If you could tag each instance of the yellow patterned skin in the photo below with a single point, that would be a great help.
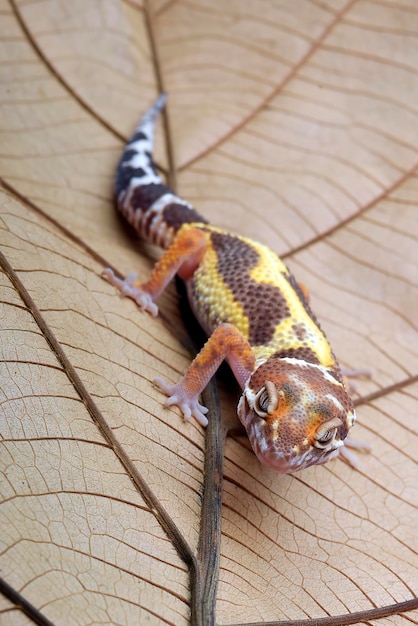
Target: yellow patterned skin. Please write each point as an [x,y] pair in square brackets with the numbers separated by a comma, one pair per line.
[245,283]
[294,405]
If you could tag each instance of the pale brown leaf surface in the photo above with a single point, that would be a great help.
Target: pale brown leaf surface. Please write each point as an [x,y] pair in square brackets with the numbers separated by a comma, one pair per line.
[294,123]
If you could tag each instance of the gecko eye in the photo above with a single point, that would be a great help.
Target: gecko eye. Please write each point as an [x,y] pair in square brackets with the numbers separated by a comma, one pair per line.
[261,402]
[325,433]
[325,440]
[266,400]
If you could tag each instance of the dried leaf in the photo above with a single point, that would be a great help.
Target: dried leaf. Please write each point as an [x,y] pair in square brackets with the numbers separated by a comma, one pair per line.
[294,123]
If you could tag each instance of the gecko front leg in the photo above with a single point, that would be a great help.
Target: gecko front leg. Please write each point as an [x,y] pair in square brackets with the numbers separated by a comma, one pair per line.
[182,258]
[226,342]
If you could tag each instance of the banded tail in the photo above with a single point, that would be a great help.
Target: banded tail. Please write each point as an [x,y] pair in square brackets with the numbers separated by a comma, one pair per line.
[142,197]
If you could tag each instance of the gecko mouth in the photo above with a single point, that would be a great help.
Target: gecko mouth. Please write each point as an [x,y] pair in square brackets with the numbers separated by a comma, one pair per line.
[282,454]
[289,463]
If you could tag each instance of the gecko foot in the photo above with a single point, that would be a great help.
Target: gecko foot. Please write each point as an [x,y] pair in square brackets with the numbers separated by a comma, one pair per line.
[348,456]
[188,405]
[128,289]
[349,374]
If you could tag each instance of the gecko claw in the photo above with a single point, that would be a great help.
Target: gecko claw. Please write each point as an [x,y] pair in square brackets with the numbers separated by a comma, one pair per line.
[188,405]
[128,289]
[350,457]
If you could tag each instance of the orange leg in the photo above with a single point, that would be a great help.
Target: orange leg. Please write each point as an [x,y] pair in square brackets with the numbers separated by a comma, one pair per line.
[226,342]
[182,258]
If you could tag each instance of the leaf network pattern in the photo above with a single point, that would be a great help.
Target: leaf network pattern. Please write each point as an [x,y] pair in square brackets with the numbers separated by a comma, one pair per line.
[294,123]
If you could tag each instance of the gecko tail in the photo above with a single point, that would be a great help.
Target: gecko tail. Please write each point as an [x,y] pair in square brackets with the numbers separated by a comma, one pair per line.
[142,197]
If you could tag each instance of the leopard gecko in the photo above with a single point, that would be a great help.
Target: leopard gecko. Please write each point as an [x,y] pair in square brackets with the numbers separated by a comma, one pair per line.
[294,404]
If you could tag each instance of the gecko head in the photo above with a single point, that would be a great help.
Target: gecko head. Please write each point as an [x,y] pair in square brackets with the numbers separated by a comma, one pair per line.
[296,414]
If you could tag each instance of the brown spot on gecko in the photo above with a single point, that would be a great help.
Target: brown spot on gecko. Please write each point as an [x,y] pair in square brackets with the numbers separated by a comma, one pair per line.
[125,172]
[144,196]
[300,331]
[264,305]
[176,214]
[295,285]
[304,354]
[138,136]
[336,373]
